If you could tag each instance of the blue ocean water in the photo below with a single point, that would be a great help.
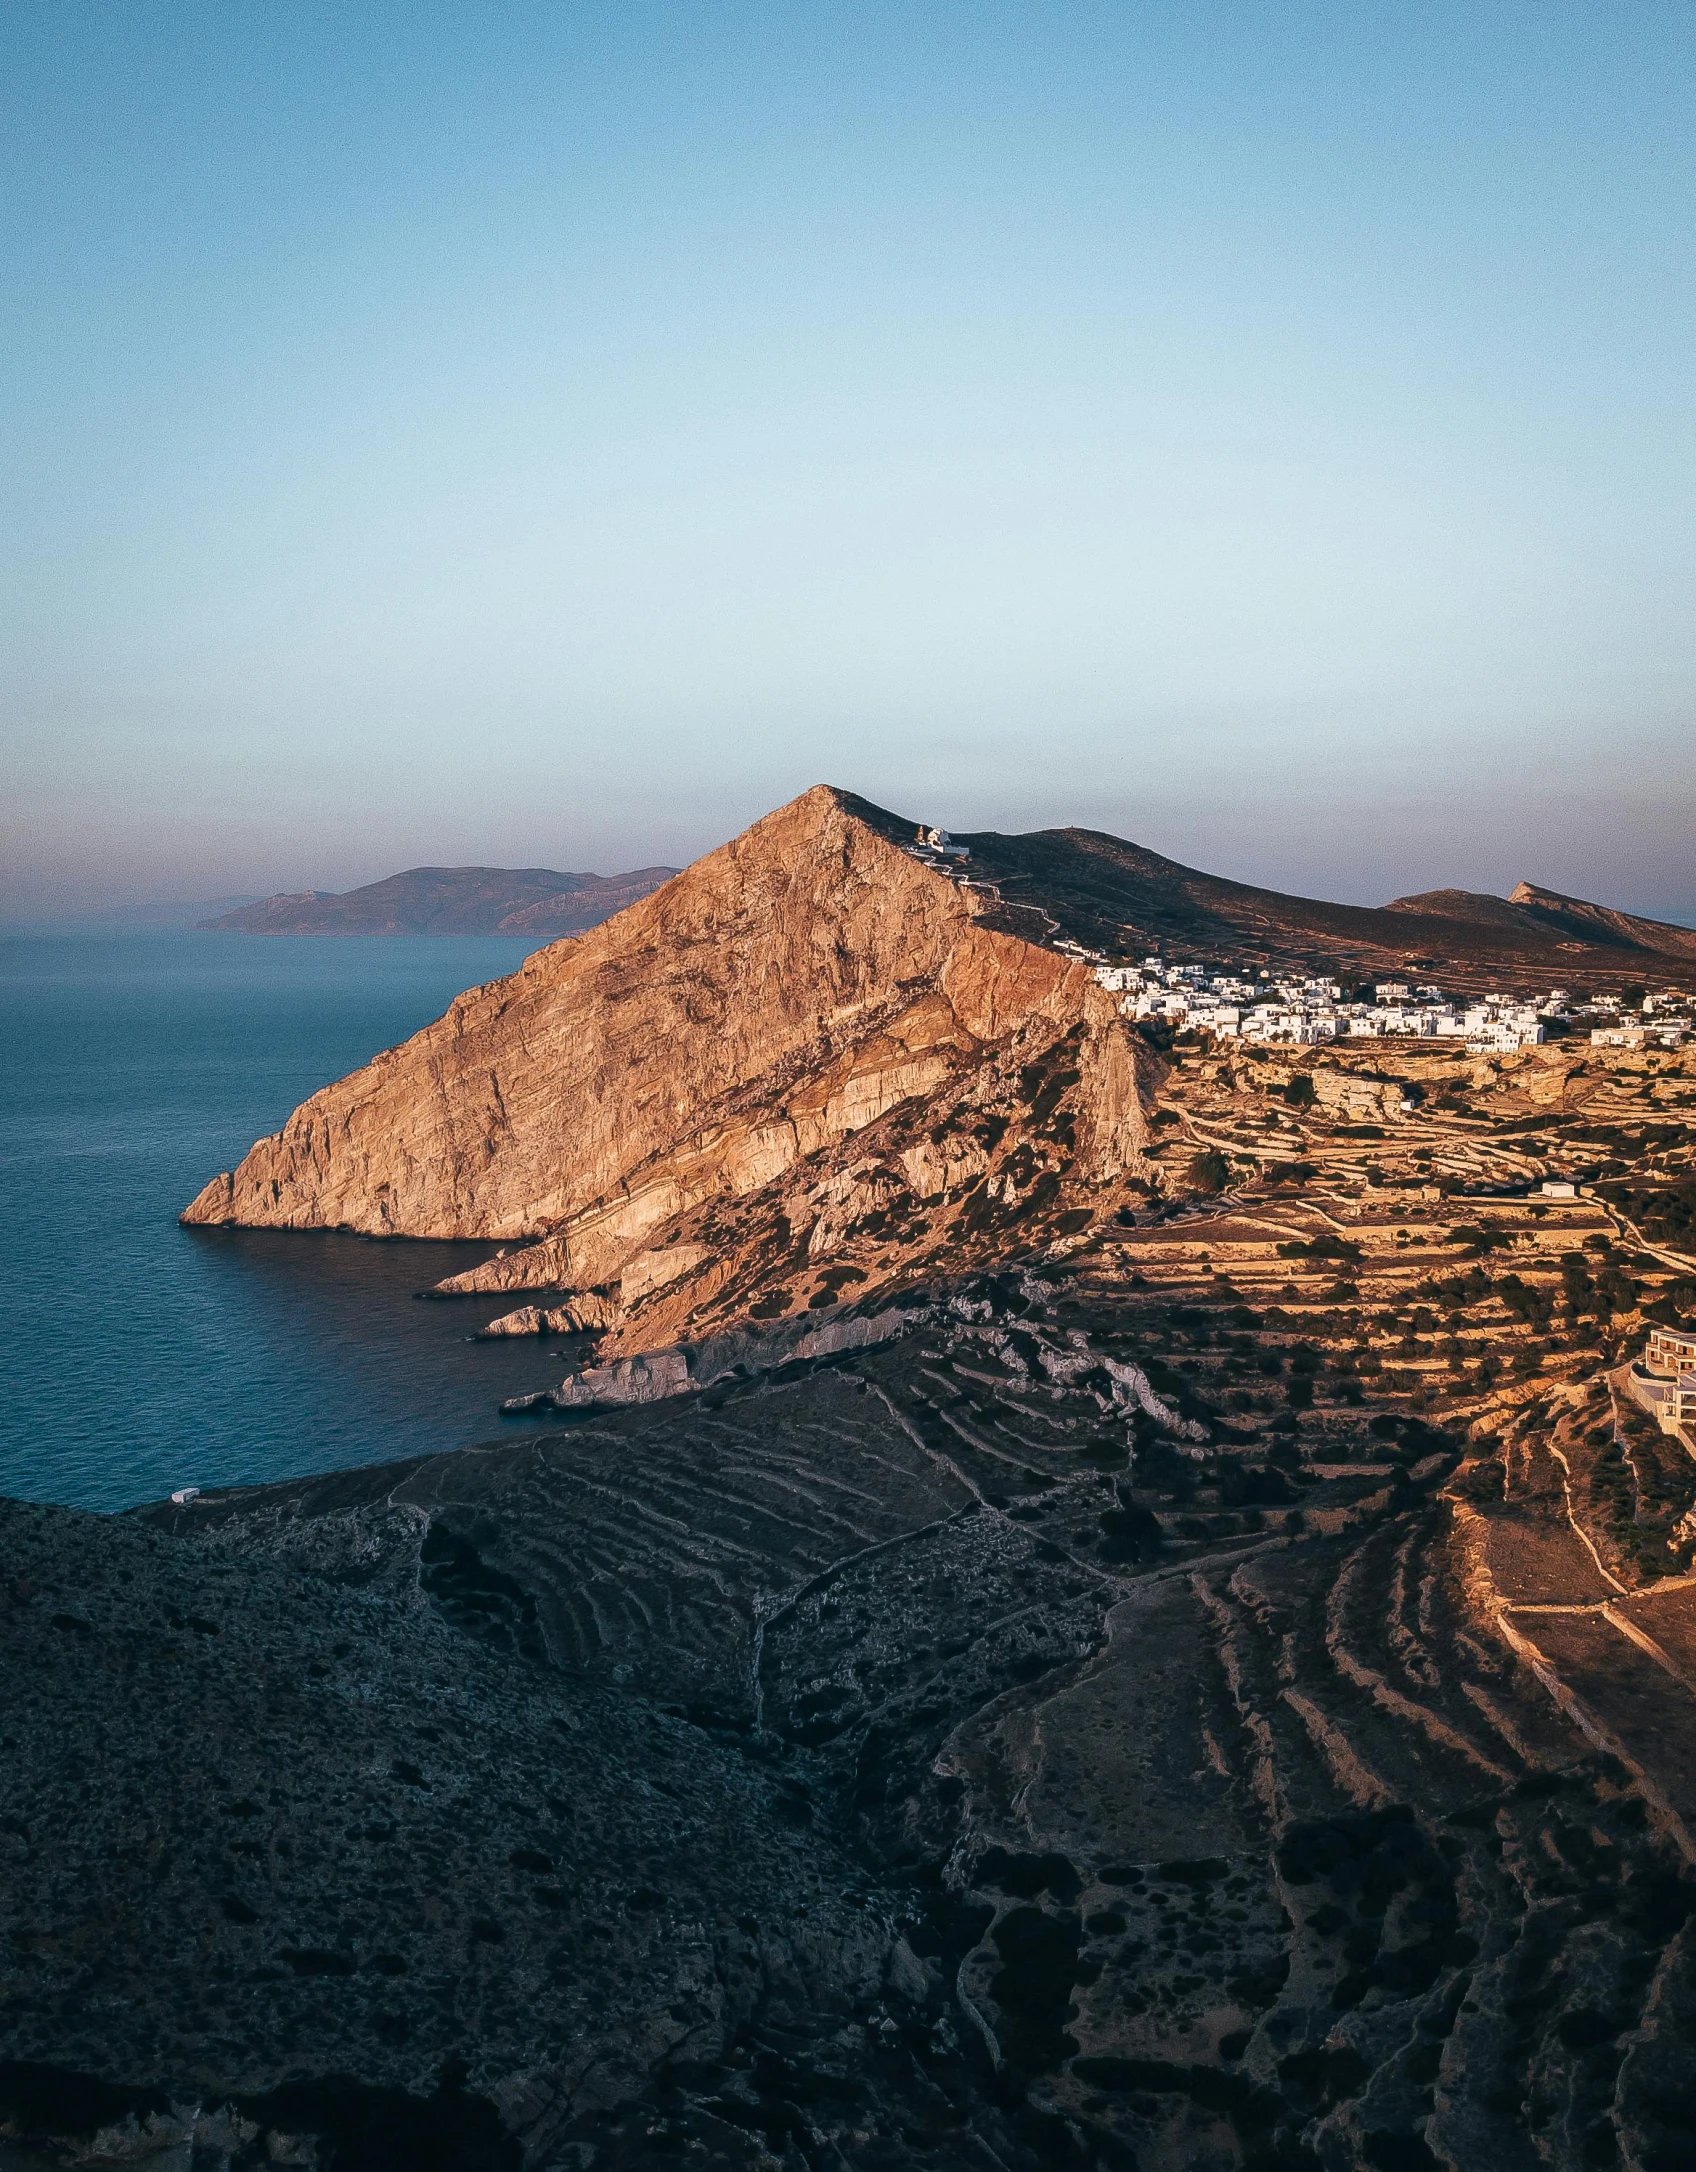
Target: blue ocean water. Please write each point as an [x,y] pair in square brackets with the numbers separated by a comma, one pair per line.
[139,1356]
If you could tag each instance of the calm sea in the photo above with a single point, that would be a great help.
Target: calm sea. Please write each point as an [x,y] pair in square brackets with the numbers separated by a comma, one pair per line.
[139,1356]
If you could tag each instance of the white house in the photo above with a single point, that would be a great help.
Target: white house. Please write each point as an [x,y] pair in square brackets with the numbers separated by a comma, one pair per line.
[1670,1351]
[1664,1378]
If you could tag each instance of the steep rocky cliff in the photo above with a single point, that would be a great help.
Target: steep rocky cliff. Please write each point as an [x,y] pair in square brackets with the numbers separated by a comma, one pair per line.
[1145,1705]
[796,1068]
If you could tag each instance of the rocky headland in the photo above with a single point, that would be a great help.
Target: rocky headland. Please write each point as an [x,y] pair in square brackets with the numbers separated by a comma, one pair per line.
[1099,1601]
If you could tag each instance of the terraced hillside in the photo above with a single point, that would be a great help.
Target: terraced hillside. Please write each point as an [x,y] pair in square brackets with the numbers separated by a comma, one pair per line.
[1100,1600]
[963,1751]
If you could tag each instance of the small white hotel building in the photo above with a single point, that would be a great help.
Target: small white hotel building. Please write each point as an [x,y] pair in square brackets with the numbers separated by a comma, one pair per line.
[1664,1379]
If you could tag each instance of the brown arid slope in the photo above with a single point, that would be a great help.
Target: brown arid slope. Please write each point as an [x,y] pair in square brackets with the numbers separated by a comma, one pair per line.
[1532,918]
[535,901]
[1124,899]
[1600,923]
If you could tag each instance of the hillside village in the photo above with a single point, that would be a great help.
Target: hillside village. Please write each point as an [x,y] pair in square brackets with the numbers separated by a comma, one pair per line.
[1247,1001]
[1234,1004]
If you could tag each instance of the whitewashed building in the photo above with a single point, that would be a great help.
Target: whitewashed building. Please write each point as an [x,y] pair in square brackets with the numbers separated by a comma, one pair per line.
[1664,1379]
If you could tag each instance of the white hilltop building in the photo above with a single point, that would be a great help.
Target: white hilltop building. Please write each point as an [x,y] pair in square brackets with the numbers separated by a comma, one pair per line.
[933,842]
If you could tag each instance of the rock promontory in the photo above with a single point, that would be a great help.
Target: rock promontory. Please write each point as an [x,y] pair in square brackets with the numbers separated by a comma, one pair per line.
[685,1101]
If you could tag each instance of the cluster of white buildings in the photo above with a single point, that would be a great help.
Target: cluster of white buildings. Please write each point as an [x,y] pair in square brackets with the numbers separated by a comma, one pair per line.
[1302,1013]
[1667,1020]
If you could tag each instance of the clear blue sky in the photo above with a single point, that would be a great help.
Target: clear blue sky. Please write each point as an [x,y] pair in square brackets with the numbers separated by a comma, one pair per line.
[554,434]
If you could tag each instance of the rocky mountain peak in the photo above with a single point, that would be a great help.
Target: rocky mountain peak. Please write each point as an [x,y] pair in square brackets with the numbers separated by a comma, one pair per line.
[809,1064]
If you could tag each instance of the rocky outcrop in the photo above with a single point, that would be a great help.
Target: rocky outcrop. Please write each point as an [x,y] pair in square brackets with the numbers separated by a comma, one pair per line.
[587,1312]
[1346,1094]
[793,1048]
[1023,1143]
[659,1374]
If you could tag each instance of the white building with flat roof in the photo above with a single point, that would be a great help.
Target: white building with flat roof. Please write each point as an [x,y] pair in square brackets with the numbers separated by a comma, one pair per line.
[1670,1350]
[1664,1378]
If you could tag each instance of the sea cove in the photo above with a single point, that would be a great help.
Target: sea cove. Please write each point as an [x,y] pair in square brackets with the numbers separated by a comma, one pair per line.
[142,1356]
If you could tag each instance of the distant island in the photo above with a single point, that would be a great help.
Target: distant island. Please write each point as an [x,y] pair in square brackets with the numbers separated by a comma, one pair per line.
[533,901]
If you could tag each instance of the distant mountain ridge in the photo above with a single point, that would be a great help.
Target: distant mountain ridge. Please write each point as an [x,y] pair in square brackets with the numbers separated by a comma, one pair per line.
[1111,894]
[1529,910]
[535,901]
[1083,883]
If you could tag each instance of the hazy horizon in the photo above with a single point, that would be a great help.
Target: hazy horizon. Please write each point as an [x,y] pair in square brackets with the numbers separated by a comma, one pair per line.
[163,912]
[555,438]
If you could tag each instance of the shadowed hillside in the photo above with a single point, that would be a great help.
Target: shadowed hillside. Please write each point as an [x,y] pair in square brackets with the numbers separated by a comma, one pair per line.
[1121,898]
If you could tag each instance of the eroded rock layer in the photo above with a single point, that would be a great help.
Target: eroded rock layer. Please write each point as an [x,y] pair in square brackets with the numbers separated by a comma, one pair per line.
[781,993]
